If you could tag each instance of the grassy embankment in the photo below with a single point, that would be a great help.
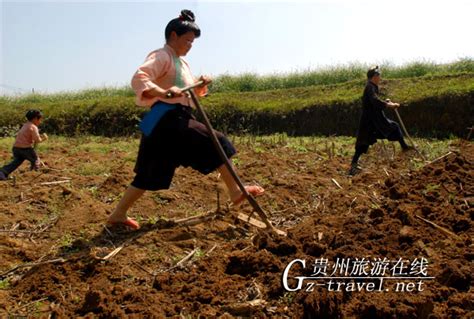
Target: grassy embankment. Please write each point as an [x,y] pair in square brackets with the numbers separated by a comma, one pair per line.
[438,102]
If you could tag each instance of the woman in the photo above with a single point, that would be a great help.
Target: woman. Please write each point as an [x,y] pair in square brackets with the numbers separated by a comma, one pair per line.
[177,139]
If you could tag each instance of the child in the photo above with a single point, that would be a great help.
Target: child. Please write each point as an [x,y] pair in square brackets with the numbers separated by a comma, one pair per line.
[178,139]
[373,122]
[26,139]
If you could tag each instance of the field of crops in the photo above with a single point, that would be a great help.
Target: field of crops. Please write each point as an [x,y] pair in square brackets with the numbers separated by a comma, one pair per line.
[55,253]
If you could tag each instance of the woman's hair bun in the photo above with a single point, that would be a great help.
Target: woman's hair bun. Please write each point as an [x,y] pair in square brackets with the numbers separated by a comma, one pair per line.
[187,15]
[182,24]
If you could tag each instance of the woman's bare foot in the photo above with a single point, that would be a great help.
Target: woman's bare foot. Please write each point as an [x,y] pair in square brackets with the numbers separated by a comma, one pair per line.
[129,222]
[253,190]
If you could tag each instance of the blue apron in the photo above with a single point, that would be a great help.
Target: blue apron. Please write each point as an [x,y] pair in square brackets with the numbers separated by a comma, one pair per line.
[160,108]
[152,118]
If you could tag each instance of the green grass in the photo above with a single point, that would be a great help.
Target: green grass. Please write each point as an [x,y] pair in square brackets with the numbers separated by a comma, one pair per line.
[89,143]
[401,90]
[263,106]
[6,143]
[343,146]
[93,144]
[4,284]
[87,94]
[92,168]
[250,82]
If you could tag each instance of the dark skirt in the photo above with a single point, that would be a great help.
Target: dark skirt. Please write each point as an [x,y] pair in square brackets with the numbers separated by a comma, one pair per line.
[177,140]
[373,126]
[370,136]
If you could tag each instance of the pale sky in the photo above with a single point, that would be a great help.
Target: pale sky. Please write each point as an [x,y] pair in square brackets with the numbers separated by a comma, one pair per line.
[65,45]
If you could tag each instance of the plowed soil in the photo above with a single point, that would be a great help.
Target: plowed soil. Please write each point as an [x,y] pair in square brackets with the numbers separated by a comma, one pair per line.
[236,269]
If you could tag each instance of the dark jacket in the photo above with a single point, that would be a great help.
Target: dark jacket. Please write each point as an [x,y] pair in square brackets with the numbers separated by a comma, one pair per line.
[373,123]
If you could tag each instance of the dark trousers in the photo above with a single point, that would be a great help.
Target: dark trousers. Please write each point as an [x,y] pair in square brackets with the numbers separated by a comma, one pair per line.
[396,135]
[19,156]
[177,140]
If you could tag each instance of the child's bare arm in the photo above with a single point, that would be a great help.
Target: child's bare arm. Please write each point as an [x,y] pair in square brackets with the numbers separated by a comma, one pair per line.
[43,137]
[39,138]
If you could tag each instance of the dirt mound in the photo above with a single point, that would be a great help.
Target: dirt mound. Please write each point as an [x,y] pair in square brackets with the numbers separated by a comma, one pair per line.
[224,267]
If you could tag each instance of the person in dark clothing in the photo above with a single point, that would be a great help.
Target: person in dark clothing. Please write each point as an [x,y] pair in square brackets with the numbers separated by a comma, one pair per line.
[373,123]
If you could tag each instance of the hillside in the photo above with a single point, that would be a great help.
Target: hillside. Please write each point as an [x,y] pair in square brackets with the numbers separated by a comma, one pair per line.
[433,105]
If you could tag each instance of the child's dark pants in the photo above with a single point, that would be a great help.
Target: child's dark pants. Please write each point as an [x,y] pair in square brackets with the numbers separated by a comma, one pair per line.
[19,156]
